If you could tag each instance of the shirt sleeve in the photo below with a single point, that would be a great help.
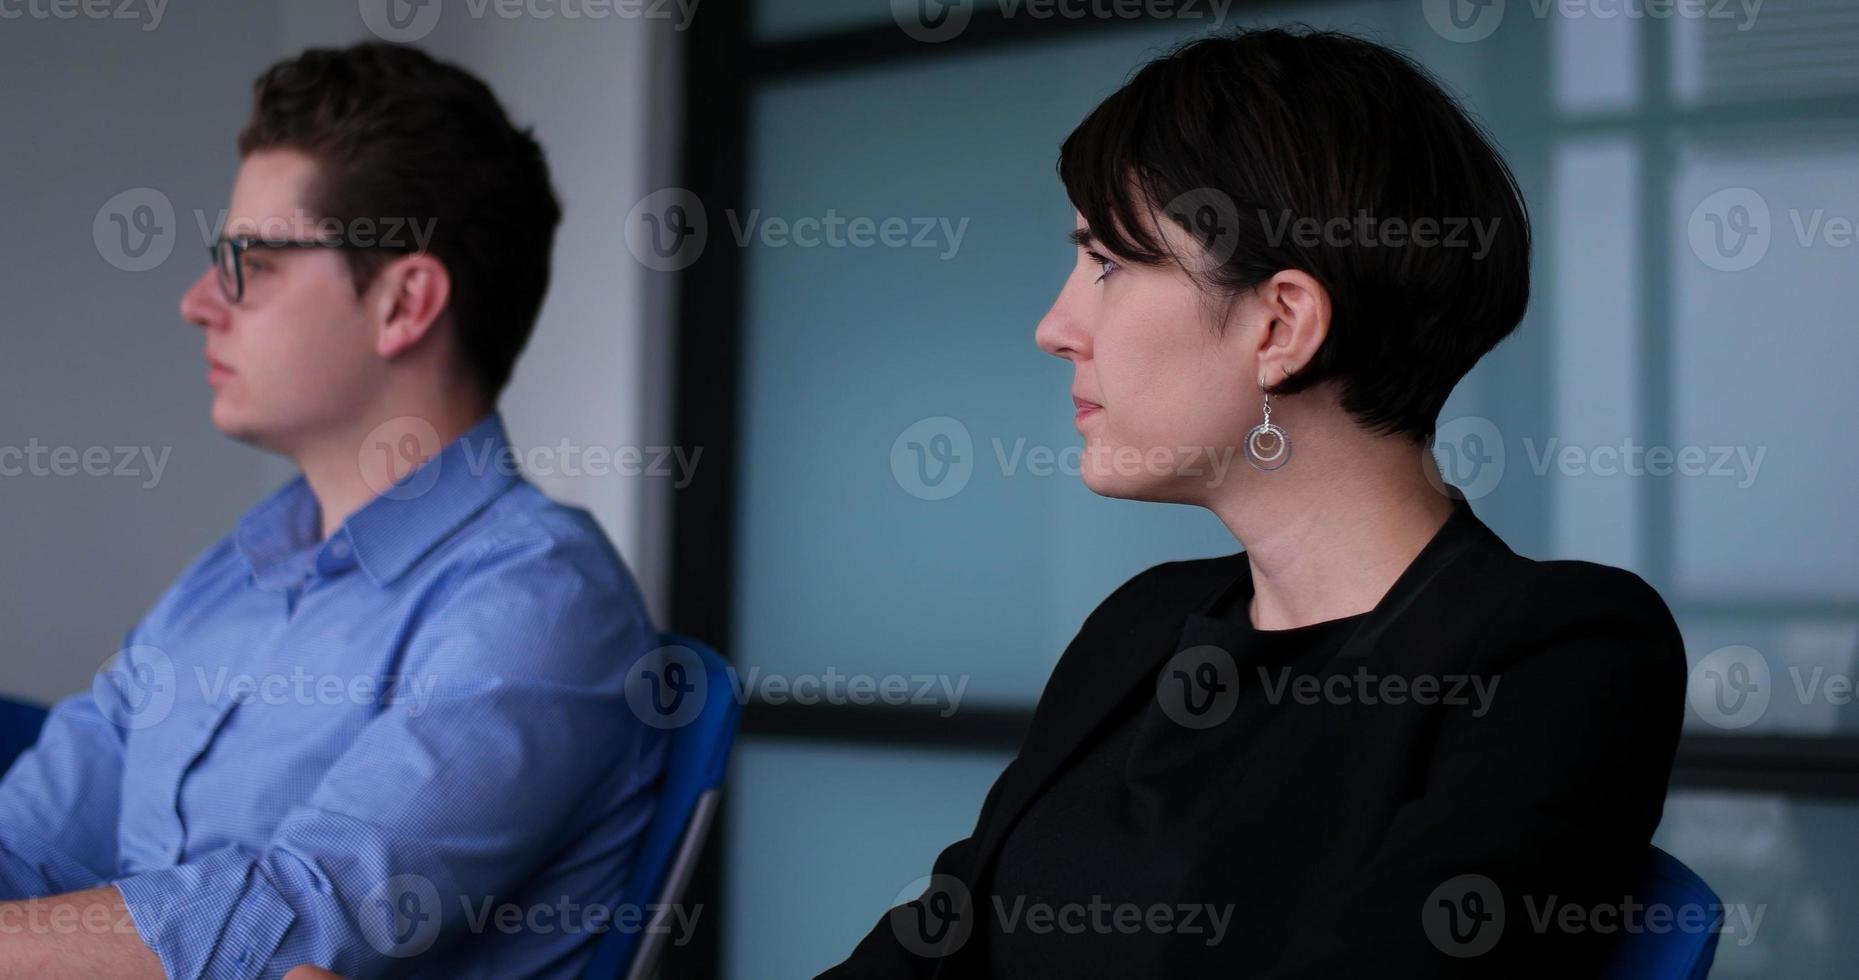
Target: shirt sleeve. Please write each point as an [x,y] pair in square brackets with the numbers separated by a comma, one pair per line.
[60,801]
[441,802]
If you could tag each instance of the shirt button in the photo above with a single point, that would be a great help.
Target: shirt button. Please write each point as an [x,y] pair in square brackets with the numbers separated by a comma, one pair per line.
[339,548]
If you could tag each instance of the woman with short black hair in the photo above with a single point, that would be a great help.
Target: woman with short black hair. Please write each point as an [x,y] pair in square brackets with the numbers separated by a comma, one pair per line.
[1376,742]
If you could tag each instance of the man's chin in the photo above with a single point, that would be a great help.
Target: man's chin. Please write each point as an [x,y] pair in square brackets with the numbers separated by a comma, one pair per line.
[235,424]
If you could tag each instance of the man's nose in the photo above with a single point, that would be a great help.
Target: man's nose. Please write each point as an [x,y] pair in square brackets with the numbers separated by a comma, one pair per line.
[202,304]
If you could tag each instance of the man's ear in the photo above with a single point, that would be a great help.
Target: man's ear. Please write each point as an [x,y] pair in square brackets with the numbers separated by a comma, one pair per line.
[408,295]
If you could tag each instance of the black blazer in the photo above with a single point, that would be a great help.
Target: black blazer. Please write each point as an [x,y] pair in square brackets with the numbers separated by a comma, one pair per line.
[1380,839]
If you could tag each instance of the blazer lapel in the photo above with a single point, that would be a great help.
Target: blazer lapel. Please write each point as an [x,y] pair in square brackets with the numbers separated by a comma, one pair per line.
[1135,653]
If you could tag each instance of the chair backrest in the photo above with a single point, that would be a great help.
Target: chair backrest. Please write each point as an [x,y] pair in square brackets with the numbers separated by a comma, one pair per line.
[19,729]
[667,855]
[1684,949]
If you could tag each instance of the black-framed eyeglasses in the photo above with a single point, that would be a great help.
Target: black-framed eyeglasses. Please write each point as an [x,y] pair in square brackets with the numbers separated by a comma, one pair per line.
[227,255]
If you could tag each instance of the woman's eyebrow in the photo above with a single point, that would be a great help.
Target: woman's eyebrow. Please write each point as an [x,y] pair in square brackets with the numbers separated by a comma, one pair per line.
[1082,237]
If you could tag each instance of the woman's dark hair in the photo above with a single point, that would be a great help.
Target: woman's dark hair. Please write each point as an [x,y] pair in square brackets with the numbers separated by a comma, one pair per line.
[400,136]
[1321,152]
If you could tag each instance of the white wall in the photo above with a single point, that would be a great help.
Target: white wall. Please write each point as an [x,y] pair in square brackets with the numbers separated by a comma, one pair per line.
[94,355]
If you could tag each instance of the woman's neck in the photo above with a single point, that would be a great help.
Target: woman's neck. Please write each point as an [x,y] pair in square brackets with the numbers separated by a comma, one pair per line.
[1327,535]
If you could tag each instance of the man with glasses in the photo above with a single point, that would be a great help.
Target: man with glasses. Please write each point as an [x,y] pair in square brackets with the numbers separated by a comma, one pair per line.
[390,704]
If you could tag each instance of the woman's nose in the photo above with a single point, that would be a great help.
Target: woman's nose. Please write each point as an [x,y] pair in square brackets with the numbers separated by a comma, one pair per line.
[1058,332]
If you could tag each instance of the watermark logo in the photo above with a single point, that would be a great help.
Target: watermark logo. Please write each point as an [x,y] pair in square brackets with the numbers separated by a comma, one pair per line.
[1730,230]
[136,687]
[405,21]
[300,686]
[1198,687]
[567,915]
[1103,917]
[1464,916]
[933,916]
[1466,21]
[399,448]
[1211,217]
[835,230]
[933,458]
[667,687]
[149,12]
[400,21]
[1463,21]
[1469,453]
[667,229]
[401,917]
[402,459]
[932,21]
[135,230]
[37,459]
[1731,686]
[1365,230]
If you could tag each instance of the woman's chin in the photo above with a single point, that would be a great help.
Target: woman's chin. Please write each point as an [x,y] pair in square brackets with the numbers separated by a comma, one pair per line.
[1125,486]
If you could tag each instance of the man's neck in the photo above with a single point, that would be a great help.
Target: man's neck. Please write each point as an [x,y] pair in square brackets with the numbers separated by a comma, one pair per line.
[348,468]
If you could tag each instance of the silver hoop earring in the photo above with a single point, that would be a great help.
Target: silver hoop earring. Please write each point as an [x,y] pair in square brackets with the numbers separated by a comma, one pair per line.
[1267,446]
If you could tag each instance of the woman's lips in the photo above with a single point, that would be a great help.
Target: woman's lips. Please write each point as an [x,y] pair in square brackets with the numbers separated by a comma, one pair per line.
[1082,408]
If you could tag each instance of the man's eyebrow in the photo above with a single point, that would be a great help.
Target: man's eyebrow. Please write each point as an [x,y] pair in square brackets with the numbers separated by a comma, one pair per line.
[1082,237]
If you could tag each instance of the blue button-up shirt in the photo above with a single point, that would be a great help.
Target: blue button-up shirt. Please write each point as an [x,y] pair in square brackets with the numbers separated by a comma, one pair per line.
[362,751]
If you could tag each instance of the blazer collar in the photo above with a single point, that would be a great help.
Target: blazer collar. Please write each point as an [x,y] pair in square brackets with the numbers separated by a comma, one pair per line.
[1209,622]
[1077,716]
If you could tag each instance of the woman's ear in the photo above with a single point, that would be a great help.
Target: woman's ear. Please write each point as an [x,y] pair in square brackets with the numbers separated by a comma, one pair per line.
[1296,313]
[408,296]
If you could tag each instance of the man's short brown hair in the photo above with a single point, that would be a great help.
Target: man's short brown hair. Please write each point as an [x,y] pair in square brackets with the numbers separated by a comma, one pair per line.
[400,136]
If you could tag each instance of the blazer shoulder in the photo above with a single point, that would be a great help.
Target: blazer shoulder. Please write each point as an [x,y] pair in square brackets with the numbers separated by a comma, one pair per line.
[1589,586]
[1556,603]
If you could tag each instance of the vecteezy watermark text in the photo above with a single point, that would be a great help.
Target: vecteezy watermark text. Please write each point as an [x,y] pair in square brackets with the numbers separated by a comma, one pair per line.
[40,460]
[149,12]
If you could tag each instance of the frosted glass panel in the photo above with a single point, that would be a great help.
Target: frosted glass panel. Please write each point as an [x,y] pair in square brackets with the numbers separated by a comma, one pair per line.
[1765,49]
[1779,674]
[1597,62]
[1596,353]
[805,883]
[1764,342]
[1785,867]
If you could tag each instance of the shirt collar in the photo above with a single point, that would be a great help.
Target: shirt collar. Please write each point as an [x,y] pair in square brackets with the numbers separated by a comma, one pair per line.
[389,533]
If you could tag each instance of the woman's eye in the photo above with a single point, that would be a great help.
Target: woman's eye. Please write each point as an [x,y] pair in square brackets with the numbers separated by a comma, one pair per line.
[1105,264]
[255,265]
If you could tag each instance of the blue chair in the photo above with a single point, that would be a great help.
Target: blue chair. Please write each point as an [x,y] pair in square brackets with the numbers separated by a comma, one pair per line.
[19,729]
[686,807]
[1677,953]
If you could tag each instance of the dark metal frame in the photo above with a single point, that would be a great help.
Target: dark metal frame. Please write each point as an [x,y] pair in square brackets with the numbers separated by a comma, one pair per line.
[722,65]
